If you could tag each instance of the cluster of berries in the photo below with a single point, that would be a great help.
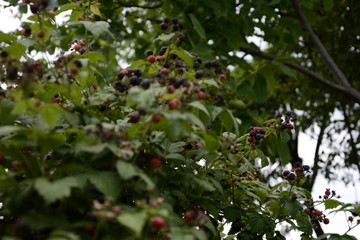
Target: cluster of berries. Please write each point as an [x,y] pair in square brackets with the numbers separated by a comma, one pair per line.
[78,46]
[255,135]
[196,217]
[317,215]
[37,6]
[171,24]
[351,218]
[329,194]
[298,171]
[104,209]
[286,120]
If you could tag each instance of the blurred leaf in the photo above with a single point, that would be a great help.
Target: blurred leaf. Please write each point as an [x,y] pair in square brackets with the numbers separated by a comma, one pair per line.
[133,220]
[197,26]
[107,183]
[126,170]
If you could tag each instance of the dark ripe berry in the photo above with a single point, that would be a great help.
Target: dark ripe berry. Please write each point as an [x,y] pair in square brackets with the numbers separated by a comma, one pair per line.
[175,21]
[250,139]
[188,146]
[293,197]
[286,173]
[180,71]
[157,222]
[298,164]
[78,63]
[291,176]
[289,125]
[199,60]
[181,26]
[164,26]
[262,131]
[354,213]
[142,110]
[120,75]
[175,28]
[162,51]
[166,20]
[34,9]
[44,3]
[26,32]
[149,53]
[120,86]
[145,84]
[156,118]
[220,97]
[196,65]
[207,64]
[181,37]
[307,211]
[137,72]
[278,115]
[155,162]
[199,74]
[40,34]
[134,80]
[350,218]
[135,117]
[283,126]
[102,107]
[251,128]
[252,133]
[215,64]
[327,192]
[151,59]
[306,168]
[4,54]
[288,113]
[258,136]
[12,73]
[82,51]
[326,221]
[173,55]
[166,65]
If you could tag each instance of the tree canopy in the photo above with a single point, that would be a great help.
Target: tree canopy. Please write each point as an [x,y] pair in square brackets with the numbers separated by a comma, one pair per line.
[153,119]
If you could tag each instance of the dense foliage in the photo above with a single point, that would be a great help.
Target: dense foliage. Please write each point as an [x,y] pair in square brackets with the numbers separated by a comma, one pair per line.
[170,147]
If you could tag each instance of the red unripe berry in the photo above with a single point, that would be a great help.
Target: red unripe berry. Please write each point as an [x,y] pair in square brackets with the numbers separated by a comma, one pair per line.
[155,162]
[80,18]
[307,211]
[351,218]
[318,213]
[52,13]
[157,222]
[165,71]
[37,64]
[250,139]
[198,146]
[151,59]
[41,34]
[223,77]
[256,129]
[326,196]
[77,47]
[56,100]
[171,89]
[203,95]
[124,71]
[2,157]
[327,192]
[188,215]
[156,118]
[174,103]
[326,220]
[74,70]
[89,227]
[160,57]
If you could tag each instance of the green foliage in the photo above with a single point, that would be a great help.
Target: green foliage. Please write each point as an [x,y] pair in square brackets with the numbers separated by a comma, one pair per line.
[98,152]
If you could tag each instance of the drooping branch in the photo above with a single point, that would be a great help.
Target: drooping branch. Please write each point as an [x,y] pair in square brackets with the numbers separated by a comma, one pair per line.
[338,74]
[349,91]
[138,6]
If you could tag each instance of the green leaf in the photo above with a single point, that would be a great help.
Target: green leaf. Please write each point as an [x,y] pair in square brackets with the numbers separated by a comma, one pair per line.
[228,121]
[258,223]
[95,10]
[50,113]
[95,56]
[106,182]
[328,4]
[126,170]
[165,37]
[285,69]
[283,151]
[5,37]
[200,106]
[332,203]
[96,28]
[260,88]
[133,220]
[52,191]
[197,26]
[206,185]
[16,50]
[185,56]
[284,137]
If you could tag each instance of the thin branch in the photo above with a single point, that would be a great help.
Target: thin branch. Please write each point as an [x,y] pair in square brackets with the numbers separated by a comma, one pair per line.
[338,74]
[348,91]
[129,5]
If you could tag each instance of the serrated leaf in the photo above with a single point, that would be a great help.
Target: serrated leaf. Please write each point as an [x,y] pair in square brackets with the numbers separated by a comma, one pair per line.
[258,223]
[133,220]
[332,203]
[126,170]
[52,191]
[197,26]
[106,182]
[95,10]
